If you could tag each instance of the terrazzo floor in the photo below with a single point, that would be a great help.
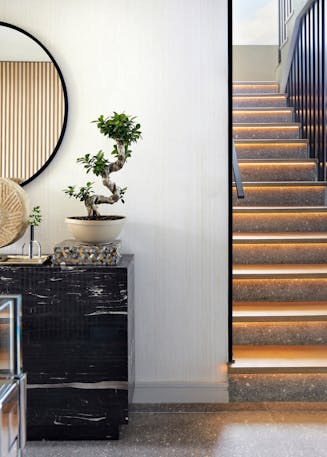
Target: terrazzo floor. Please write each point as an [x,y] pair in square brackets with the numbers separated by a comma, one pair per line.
[263,432]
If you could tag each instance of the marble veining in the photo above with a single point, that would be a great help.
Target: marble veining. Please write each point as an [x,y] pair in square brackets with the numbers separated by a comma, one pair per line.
[98,313]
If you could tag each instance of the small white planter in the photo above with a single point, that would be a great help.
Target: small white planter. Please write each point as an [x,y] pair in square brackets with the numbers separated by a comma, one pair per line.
[96,231]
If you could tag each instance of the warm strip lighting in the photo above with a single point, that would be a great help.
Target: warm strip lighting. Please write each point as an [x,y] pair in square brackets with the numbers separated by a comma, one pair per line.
[255,97]
[276,325]
[255,85]
[263,111]
[277,164]
[289,377]
[281,188]
[268,282]
[271,245]
[265,222]
[268,127]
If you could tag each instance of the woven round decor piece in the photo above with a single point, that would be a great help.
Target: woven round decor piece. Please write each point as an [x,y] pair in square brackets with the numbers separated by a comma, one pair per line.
[13,212]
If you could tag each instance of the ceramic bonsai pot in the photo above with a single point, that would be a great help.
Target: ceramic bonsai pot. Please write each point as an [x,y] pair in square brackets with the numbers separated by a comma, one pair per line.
[101,229]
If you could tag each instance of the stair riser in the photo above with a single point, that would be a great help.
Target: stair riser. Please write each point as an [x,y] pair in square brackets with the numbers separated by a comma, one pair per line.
[247,254]
[281,333]
[277,387]
[280,172]
[272,151]
[258,117]
[288,289]
[277,133]
[255,89]
[282,196]
[291,222]
[259,102]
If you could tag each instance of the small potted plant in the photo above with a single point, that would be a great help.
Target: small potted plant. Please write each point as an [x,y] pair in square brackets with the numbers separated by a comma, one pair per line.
[95,228]
[34,220]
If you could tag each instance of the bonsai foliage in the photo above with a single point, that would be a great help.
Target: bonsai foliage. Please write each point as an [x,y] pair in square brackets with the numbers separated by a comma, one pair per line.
[124,131]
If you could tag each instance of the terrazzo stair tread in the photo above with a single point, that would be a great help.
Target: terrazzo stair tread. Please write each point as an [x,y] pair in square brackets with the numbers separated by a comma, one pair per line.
[280,252]
[259,100]
[267,130]
[280,389]
[286,219]
[283,193]
[253,87]
[280,170]
[281,311]
[263,271]
[279,287]
[262,115]
[279,359]
[253,148]
[287,332]
[286,237]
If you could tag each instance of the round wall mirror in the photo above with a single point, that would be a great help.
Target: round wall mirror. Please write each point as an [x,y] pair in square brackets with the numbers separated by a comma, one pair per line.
[33,105]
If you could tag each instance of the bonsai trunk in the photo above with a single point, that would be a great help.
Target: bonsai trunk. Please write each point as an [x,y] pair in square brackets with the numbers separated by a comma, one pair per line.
[93,201]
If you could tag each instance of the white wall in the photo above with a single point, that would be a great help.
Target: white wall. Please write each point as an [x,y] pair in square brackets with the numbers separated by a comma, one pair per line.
[255,62]
[166,62]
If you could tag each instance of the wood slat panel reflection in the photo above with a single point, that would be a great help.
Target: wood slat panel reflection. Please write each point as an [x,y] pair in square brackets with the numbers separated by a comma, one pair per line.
[31,116]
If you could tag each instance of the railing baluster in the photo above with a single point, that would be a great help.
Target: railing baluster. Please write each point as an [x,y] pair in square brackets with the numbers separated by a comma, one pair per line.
[323,53]
[306,84]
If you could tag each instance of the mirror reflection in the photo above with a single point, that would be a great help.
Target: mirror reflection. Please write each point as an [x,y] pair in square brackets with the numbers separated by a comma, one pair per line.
[32,106]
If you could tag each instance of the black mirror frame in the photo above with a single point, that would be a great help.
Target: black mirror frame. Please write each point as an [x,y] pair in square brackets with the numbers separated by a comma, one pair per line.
[64,125]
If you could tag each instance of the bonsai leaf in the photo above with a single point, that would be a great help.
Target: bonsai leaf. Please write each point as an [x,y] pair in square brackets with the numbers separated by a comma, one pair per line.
[115,152]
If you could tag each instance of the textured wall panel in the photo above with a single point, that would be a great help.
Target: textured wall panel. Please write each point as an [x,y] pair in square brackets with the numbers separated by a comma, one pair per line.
[31,116]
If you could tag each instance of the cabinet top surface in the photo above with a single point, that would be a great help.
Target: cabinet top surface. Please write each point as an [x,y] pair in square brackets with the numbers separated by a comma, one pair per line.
[124,262]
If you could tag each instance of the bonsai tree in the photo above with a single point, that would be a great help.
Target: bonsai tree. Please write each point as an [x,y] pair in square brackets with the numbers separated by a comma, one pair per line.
[124,131]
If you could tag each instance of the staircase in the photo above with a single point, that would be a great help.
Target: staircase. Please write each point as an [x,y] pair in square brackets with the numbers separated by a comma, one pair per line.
[279,255]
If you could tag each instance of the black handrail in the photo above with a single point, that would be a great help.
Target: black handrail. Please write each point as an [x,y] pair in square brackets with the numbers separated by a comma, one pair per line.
[306,85]
[237,174]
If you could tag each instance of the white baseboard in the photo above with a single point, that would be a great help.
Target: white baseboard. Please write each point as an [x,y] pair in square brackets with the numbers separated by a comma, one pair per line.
[155,392]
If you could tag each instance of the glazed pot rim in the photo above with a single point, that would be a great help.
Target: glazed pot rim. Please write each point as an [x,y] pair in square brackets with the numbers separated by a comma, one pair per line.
[89,222]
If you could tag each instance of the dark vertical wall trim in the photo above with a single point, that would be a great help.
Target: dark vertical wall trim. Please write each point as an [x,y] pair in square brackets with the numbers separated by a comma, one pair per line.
[230,190]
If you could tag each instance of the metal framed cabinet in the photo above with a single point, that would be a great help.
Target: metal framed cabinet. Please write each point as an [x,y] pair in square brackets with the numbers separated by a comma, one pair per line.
[78,347]
[12,379]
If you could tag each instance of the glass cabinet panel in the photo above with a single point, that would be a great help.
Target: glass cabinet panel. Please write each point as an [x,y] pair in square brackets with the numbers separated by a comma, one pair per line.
[10,317]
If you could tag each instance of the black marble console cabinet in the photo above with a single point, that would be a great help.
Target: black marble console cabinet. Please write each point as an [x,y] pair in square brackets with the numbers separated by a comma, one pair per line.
[78,347]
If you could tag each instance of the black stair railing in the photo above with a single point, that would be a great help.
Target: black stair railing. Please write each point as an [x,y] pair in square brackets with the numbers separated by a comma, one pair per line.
[306,85]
